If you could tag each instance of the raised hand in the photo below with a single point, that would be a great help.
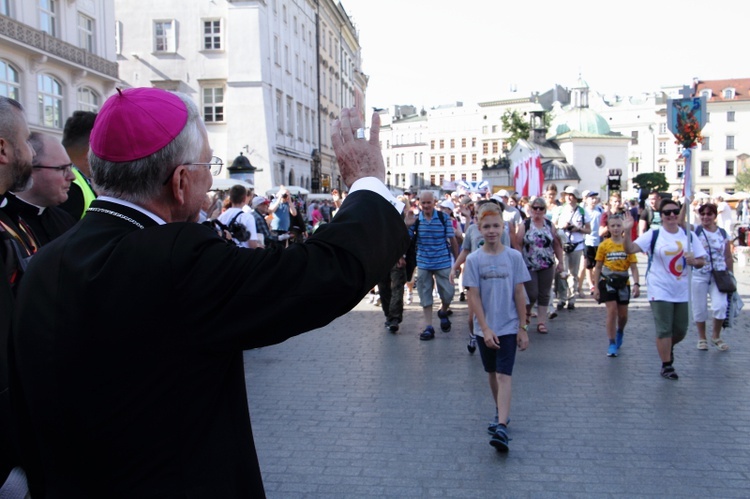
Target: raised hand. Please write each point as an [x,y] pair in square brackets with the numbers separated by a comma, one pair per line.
[357,158]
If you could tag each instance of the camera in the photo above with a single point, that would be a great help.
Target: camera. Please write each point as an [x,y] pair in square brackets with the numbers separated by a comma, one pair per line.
[570,227]
[284,196]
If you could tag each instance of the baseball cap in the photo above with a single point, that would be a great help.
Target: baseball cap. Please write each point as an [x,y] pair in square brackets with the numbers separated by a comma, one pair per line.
[259,200]
[502,193]
[137,122]
[448,204]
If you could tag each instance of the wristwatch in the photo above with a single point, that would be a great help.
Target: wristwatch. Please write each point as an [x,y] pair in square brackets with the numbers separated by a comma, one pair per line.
[525,327]
[637,284]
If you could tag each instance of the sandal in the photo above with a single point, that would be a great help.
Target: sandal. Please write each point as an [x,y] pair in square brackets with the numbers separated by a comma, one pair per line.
[541,329]
[702,345]
[719,344]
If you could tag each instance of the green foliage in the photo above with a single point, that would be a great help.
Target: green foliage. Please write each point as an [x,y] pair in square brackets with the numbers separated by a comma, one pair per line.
[516,125]
[648,182]
[742,180]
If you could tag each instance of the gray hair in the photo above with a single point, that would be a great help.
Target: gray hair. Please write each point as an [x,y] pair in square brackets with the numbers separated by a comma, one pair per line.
[36,141]
[141,180]
[9,119]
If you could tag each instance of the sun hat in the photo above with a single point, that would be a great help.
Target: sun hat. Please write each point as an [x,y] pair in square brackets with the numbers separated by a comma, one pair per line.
[572,190]
[137,122]
[259,200]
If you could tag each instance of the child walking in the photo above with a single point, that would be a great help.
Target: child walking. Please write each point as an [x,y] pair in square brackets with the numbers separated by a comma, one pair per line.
[613,285]
[494,276]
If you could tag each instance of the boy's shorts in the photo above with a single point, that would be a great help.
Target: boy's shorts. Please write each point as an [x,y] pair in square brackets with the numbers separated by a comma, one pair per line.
[499,361]
[589,256]
[621,296]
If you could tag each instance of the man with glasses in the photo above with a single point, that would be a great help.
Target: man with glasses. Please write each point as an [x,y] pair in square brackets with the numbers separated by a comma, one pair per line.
[38,206]
[133,355]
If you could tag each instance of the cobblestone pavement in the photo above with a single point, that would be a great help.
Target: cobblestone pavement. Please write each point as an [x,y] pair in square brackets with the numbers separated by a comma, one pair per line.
[351,410]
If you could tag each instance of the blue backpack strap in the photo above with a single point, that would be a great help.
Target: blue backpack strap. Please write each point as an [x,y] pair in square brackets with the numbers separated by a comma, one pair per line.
[654,237]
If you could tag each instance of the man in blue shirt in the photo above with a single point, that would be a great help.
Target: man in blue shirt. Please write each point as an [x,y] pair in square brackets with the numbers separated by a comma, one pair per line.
[283,209]
[436,246]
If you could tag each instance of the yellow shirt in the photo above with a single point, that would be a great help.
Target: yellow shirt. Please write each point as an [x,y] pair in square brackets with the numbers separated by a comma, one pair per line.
[614,257]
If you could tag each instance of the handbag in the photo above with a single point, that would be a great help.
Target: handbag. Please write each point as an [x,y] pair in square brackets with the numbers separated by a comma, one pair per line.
[723,279]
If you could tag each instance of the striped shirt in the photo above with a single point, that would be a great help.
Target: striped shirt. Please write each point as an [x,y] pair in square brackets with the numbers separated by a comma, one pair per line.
[433,252]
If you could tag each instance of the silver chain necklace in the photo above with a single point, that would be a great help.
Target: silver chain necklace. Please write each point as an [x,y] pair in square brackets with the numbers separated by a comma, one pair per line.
[116,214]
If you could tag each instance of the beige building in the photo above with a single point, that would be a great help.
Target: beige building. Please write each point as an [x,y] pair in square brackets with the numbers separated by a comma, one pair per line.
[57,57]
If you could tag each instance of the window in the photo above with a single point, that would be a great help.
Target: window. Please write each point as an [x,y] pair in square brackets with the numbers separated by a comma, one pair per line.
[634,137]
[705,168]
[300,124]
[662,147]
[9,84]
[50,101]
[308,131]
[473,142]
[453,143]
[730,142]
[86,33]
[662,128]
[432,160]
[88,100]
[453,160]
[442,144]
[432,144]
[463,159]
[634,166]
[463,142]
[730,167]
[279,113]
[432,179]
[495,146]
[728,93]
[442,160]
[473,177]
[289,116]
[213,104]
[5,7]
[494,128]
[474,159]
[48,16]
[276,50]
[706,144]
[680,170]
[485,148]
[164,36]
[212,34]
[730,115]
[706,93]
[286,59]
[662,168]
[420,158]
[118,37]
[484,129]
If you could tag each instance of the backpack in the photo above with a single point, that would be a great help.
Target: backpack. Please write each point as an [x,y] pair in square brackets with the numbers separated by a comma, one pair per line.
[411,252]
[238,229]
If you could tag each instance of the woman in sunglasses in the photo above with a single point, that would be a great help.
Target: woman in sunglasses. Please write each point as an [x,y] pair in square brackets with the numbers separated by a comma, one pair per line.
[667,277]
[714,239]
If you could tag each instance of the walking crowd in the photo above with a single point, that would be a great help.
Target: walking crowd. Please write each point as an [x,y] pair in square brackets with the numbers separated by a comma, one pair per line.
[570,246]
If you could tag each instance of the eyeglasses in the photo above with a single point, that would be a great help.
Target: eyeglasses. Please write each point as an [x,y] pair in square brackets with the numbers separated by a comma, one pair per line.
[214,166]
[674,212]
[65,169]
[538,208]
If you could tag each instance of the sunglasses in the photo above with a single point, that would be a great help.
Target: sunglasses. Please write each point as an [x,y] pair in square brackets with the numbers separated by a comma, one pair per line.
[674,212]
[538,208]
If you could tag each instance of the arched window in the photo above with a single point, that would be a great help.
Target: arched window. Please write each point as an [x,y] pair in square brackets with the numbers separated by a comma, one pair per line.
[88,100]
[9,83]
[50,101]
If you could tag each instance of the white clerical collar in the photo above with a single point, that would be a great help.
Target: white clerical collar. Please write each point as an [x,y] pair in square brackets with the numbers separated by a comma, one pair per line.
[133,206]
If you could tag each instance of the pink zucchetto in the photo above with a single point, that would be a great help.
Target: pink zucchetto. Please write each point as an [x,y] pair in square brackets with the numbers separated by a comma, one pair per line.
[137,122]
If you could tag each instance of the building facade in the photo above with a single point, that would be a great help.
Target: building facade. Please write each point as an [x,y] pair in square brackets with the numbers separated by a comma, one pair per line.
[57,57]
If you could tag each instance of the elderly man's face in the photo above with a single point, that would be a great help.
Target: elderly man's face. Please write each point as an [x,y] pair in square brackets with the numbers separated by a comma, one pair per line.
[50,186]
[427,203]
[18,154]
[200,180]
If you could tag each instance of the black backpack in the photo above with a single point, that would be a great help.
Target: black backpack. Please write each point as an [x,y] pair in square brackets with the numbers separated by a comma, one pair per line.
[238,229]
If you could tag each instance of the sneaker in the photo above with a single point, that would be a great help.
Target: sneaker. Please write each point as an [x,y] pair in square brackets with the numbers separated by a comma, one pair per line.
[571,306]
[427,334]
[462,296]
[492,427]
[408,298]
[391,325]
[612,350]
[619,337]
[560,306]
[445,323]
[669,373]
[500,439]
[472,346]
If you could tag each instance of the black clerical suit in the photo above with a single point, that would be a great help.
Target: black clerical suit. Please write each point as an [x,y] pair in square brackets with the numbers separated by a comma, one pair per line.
[129,358]
[46,223]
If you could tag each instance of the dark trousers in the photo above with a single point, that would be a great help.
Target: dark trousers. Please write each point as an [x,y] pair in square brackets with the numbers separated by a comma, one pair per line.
[391,289]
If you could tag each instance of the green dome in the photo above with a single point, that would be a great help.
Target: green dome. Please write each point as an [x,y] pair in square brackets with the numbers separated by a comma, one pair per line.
[581,119]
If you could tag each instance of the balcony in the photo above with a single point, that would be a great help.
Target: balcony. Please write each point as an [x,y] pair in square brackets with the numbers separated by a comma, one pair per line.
[49,45]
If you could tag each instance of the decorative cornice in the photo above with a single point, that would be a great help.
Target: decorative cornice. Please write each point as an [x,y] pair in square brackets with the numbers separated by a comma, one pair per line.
[47,44]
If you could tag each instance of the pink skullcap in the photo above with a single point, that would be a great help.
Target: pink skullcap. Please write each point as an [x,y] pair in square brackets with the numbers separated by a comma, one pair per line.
[137,122]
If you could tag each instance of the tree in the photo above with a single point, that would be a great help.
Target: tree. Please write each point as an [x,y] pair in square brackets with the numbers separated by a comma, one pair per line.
[742,180]
[648,182]
[515,123]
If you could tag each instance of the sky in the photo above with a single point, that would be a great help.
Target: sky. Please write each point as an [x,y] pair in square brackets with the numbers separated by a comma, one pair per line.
[432,52]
